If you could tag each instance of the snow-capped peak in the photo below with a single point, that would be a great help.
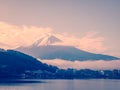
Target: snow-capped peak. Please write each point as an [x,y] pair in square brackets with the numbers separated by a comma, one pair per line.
[47,39]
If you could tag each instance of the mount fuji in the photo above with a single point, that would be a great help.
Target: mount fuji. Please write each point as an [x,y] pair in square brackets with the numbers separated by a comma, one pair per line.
[48,47]
[45,40]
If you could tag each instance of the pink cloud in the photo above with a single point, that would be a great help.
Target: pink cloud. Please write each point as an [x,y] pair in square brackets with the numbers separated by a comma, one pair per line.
[14,35]
[99,65]
[91,41]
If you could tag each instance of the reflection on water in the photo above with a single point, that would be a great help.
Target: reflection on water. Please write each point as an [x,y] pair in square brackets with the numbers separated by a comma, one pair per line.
[63,85]
[17,81]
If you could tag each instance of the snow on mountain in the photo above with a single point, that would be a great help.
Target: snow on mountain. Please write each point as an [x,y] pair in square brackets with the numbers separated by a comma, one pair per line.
[47,39]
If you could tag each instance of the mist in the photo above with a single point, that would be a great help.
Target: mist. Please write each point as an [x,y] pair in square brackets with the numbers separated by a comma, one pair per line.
[96,65]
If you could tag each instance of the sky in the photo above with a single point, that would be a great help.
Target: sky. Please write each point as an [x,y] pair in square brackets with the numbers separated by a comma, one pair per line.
[95,23]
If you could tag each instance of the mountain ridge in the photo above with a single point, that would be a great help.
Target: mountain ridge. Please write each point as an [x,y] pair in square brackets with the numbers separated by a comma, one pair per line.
[17,67]
[63,52]
[16,61]
[46,48]
[47,39]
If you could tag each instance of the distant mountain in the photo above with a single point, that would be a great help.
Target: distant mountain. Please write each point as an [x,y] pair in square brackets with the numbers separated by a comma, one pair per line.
[47,39]
[45,48]
[63,52]
[14,62]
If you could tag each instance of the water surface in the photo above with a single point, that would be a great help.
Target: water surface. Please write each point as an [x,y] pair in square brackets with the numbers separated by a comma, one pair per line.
[63,85]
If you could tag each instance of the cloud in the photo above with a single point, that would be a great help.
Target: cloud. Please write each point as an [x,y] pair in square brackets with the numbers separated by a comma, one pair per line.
[4,45]
[97,65]
[91,41]
[14,35]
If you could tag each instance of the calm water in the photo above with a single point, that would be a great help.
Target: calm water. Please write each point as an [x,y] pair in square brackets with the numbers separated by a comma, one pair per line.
[64,85]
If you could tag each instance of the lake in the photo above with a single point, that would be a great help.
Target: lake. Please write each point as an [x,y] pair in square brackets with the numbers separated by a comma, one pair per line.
[91,84]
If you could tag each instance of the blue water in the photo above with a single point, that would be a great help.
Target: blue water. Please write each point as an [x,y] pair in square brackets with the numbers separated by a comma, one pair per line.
[64,85]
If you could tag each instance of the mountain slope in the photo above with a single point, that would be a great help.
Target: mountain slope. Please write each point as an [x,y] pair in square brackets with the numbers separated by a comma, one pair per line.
[17,62]
[63,52]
